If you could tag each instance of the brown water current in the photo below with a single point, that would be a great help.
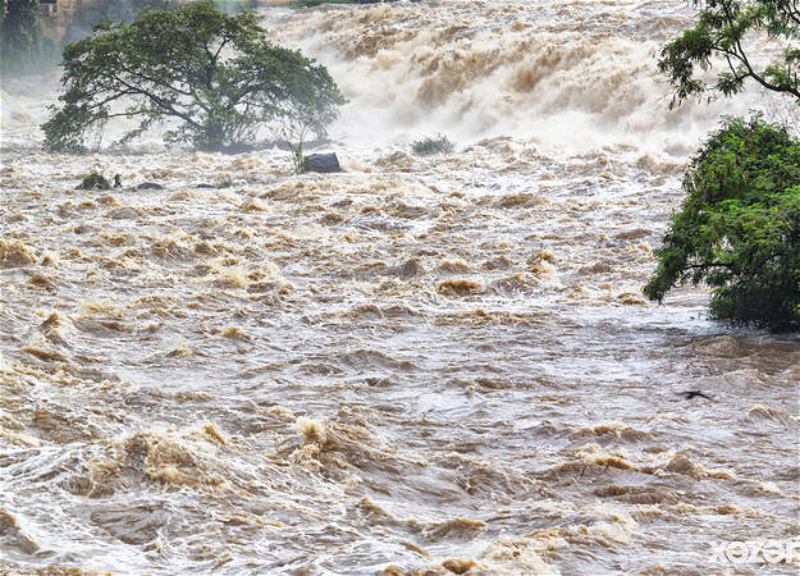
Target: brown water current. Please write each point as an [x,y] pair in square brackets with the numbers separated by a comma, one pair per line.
[418,366]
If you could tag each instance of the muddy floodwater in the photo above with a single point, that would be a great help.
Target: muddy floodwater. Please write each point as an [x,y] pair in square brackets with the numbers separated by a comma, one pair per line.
[422,365]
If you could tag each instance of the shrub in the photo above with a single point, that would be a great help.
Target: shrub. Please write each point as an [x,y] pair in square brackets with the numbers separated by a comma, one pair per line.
[430,146]
[738,229]
[96,181]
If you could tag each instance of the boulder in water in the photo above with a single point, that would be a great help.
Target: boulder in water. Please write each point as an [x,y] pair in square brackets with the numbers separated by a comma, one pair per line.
[324,163]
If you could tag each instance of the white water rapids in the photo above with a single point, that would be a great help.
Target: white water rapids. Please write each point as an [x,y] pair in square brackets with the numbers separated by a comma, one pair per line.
[419,366]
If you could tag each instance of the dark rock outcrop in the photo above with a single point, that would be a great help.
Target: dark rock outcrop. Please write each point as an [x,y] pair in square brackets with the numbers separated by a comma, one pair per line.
[324,163]
[150,186]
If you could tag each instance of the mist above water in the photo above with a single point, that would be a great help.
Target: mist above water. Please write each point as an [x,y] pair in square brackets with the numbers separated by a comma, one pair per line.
[565,77]
[569,77]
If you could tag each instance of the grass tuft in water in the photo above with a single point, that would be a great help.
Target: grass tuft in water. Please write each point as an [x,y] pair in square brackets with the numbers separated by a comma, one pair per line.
[430,146]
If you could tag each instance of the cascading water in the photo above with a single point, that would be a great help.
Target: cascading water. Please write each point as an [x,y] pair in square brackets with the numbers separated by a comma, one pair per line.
[423,365]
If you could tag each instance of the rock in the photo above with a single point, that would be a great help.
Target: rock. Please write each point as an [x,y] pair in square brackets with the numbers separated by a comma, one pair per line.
[324,163]
[150,186]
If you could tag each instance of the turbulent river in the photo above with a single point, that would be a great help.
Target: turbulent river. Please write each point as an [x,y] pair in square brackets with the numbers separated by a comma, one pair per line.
[423,365]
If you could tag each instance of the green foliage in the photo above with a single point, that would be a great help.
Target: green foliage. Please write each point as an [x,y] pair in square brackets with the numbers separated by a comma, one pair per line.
[723,29]
[430,146]
[739,227]
[96,181]
[216,76]
[23,46]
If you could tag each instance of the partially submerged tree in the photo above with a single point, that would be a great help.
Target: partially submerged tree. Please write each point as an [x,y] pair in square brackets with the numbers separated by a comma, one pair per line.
[216,76]
[739,227]
[723,30]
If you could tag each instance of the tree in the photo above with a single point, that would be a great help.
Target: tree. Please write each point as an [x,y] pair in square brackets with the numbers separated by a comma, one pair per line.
[723,29]
[23,46]
[739,227]
[217,77]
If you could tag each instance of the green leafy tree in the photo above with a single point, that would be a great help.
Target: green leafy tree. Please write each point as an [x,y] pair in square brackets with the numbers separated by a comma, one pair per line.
[217,77]
[726,29]
[23,46]
[739,227]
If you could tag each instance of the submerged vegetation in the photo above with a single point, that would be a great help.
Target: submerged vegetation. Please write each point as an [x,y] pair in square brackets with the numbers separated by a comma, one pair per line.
[216,77]
[96,181]
[431,146]
[739,227]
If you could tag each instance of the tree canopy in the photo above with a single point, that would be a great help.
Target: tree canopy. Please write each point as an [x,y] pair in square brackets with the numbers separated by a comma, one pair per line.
[723,29]
[739,227]
[217,77]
